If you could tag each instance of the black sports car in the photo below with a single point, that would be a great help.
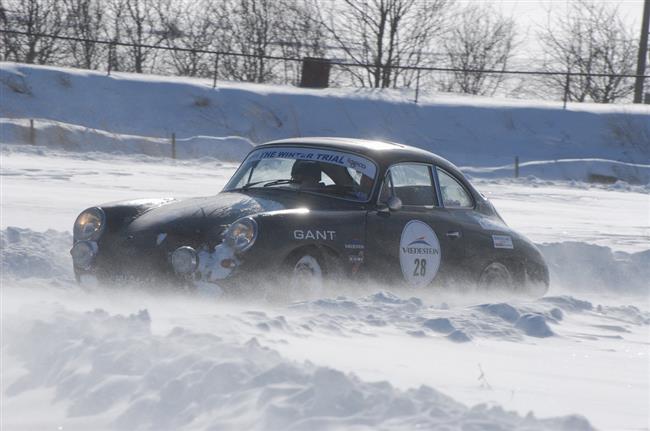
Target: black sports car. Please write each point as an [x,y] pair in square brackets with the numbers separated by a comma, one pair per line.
[313,209]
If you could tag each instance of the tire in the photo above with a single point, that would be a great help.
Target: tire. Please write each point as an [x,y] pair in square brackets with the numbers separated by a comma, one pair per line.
[306,272]
[496,276]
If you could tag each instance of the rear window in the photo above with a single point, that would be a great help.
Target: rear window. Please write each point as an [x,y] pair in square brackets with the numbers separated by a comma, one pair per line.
[453,193]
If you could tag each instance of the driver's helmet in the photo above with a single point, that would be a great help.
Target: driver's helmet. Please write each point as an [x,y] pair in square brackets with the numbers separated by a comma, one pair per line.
[306,172]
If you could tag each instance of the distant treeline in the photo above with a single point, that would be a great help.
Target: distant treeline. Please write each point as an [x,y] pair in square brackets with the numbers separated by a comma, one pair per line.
[373,43]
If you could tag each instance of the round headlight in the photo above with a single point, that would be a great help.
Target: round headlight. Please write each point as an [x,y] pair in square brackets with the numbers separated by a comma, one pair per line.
[83,254]
[89,224]
[241,234]
[184,260]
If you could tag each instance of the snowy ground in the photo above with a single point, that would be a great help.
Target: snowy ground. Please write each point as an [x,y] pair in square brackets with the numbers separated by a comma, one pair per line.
[73,359]
[79,110]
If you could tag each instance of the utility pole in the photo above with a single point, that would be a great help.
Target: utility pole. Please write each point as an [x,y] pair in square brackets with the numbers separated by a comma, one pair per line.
[643,53]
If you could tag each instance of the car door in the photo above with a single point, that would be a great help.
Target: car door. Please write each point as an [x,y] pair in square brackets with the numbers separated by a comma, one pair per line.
[416,244]
[481,235]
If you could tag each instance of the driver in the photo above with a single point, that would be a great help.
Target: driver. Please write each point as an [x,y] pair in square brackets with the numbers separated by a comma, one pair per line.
[307,174]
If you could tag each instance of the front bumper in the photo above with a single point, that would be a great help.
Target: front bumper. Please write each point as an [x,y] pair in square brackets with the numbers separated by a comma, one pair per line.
[127,261]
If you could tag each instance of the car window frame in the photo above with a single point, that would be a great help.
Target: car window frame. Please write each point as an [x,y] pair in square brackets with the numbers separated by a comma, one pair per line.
[433,176]
[455,178]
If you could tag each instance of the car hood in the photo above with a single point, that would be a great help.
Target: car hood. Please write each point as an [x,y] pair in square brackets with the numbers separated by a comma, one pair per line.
[197,214]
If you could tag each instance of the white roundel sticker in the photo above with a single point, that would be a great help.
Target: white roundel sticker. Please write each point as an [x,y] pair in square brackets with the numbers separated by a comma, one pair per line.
[419,253]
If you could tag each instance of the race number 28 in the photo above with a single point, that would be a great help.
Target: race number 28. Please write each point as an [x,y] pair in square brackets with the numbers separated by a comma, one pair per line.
[419,253]
[420,269]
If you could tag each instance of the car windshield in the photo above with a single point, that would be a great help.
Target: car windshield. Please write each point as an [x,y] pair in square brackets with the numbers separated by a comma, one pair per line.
[330,172]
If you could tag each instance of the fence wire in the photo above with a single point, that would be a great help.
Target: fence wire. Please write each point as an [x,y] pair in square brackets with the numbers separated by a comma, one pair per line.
[222,61]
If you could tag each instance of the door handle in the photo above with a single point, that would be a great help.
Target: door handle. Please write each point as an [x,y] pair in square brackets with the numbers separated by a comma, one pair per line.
[453,234]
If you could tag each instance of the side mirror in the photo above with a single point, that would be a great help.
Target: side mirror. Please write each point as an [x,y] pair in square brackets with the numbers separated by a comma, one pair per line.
[394,203]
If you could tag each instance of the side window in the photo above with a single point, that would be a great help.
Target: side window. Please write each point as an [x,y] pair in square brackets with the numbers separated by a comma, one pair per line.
[454,194]
[411,183]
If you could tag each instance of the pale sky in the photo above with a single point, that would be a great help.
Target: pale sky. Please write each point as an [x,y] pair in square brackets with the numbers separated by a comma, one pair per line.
[532,14]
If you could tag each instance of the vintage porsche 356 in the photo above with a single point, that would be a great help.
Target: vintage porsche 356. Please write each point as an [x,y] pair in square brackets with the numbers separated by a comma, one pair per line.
[312,209]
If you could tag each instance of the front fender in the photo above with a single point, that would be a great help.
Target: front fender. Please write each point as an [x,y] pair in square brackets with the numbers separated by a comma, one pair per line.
[340,233]
[121,213]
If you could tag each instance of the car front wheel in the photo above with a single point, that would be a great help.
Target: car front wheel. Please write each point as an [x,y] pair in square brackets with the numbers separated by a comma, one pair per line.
[306,271]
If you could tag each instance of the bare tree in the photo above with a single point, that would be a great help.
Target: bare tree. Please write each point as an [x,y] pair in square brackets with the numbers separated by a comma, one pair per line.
[299,35]
[382,34]
[134,22]
[482,39]
[194,27]
[250,27]
[85,19]
[38,17]
[589,38]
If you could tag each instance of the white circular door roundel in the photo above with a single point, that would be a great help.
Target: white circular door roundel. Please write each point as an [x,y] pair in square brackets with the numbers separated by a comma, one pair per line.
[419,253]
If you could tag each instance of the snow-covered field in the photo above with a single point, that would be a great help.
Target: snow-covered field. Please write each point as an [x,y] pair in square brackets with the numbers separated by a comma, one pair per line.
[358,357]
[79,110]
[372,357]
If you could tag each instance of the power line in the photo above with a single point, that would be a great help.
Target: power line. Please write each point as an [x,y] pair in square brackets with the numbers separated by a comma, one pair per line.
[336,63]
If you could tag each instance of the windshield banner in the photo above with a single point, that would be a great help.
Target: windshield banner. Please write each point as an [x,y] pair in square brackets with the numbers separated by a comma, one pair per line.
[359,164]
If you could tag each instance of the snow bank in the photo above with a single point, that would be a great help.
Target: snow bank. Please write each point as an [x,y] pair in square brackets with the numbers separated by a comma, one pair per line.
[581,267]
[29,254]
[586,170]
[113,371]
[71,137]
[467,130]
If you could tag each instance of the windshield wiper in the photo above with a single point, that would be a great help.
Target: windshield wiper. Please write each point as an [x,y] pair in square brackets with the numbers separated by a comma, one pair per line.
[278,182]
[268,183]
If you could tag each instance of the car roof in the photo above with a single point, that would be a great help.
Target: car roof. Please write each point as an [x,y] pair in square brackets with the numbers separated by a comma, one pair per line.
[382,152]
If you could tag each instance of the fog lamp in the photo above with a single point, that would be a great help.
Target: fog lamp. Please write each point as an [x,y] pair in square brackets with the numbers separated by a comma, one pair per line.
[184,260]
[83,254]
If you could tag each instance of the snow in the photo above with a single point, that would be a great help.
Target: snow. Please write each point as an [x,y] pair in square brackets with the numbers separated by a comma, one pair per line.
[356,356]
[139,113]
[96,359]
[71,137]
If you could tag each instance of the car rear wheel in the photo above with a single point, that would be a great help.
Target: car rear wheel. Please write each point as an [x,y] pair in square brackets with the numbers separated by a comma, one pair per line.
[496,276]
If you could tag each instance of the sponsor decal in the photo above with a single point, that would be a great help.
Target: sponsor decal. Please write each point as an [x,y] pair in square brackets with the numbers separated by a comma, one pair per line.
[502,241]
[356,258]
[357,163]
[419,253]
[318,234]
[355,244]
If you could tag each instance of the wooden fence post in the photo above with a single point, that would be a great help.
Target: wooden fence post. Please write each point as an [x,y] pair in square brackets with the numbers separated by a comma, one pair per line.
[32,132]
[567,83]
[173,145]
[516,166]
[216,71]
[110,59]
[417,86]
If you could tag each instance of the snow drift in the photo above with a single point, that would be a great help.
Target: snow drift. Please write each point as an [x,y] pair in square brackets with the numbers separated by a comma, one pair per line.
[186,362]
[138,113]
[113,371]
